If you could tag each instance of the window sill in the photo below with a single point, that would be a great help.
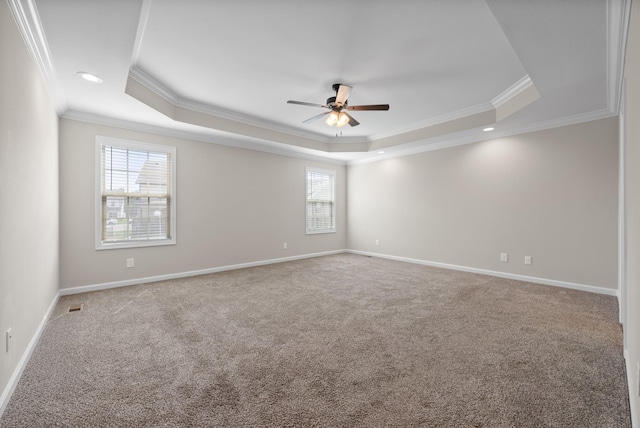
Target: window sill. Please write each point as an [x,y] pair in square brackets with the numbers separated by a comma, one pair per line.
[318,232]
[134,244]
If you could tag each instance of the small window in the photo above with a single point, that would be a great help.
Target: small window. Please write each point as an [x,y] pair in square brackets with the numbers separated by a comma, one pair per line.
[321,210]
[135,194]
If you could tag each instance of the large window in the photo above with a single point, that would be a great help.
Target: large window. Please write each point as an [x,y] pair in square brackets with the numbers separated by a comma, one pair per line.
[135,194]
[321,209]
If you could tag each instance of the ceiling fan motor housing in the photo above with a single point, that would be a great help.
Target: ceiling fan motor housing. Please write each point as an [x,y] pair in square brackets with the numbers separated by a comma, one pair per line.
[331,102]
[337,113]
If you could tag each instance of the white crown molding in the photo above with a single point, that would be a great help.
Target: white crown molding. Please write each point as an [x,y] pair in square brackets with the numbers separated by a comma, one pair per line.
[463,137]
[475,136]
[438,143]
[509,93]
[169,96]
[419,146]
[512,91]
[142,27]
[562,121]
[447,117]
[618,16]
[27,18]
[159,89]
[266,146]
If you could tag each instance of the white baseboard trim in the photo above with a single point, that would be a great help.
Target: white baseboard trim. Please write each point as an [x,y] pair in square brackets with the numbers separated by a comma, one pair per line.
[15,377]
[116,284]
[631,385]
[544,281]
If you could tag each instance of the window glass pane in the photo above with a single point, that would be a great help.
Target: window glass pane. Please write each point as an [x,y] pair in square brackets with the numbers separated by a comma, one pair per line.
[320,201]
[117,181]
[136,193]
[139,228]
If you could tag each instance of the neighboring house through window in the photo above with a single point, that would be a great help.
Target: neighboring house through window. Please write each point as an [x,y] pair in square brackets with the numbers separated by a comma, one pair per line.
[135,194]
[321,210]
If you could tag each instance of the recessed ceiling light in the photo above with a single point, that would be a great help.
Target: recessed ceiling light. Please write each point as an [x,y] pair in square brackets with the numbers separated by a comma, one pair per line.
[380,151]
[90,77]
[491,128]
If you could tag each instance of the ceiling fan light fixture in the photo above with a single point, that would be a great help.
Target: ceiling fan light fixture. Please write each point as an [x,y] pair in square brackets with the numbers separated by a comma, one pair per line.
[336,105]
[343,119]
[332,118]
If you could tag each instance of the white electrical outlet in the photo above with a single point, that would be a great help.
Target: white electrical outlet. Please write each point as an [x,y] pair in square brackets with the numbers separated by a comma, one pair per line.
[130,263]
[527,260]
[377,242]
[8,340]
[504,257]
[284,246]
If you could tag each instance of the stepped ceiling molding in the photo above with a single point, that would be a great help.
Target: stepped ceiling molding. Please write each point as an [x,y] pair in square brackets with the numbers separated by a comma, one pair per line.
[223,71]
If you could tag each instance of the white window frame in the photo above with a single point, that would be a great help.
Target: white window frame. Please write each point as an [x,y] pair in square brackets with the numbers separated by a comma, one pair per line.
[332,173]
[102,141]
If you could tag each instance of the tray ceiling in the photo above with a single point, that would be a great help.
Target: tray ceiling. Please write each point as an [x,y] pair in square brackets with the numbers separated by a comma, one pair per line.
[222,71]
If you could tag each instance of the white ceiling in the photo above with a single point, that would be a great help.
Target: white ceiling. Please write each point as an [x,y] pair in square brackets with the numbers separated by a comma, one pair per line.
[223,70]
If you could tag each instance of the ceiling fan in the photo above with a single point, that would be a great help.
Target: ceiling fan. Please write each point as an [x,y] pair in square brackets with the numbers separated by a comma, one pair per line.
[337,106]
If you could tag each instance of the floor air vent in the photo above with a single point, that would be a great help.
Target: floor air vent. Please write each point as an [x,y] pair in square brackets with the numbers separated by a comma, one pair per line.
[76,308]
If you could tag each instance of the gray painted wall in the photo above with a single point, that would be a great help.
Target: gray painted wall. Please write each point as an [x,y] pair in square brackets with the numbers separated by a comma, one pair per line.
[551,195]
[632,323]
[28,196]
[233,206]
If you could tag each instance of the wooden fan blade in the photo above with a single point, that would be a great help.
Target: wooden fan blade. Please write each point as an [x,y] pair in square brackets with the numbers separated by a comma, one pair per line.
[316,117]
[302,103]
[343,94]
[369,107]
[352,121]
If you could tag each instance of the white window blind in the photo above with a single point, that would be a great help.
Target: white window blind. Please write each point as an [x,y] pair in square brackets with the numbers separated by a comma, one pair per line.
[136,194]
[321,212]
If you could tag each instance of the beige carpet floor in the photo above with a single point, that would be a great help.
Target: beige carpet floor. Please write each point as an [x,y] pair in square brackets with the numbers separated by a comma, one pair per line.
[337,341]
